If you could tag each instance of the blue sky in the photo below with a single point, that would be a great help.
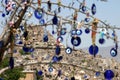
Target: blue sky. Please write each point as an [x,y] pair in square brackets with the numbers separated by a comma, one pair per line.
[108,11]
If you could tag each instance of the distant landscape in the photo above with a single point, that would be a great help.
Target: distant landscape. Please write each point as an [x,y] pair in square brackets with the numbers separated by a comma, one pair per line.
[105,52]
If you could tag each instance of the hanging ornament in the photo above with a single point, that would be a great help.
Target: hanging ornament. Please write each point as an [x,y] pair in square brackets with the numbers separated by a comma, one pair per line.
[49,5]
[68,50]
[55,20]
[60,39]
[63,31]
[97,74]
[101,40]
[108,74]
[57,50]
[93,50]
[93,9]
[11,62]
[42,21]
[50,69]
[75,41]
[73,32]
[59,4]
[87,19]
[55,59]
[3,14]
[45,38]
[94,29]
[38,14]
[87,30]
[40,73]
[83,6]
[25,49]
[78,32]
[113,52]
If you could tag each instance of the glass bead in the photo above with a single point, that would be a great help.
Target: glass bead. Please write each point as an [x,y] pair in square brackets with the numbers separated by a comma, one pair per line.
[101,40]
[40,73]
[76,41]
[68,50]
[87,30]
[113,52]
[93,50]
[108,74]
[93,9]
[38,14]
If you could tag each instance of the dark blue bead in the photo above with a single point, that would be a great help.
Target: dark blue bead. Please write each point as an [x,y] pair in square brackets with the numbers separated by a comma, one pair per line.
[53,32]
[11,62]
[40,73]
[83,8]
[45,38]
[25,49]
[59,73]
[57,50]
[108,74]
[3,15]
[76,41]
[60,58]
[55,20]
[113,52]
[93,9]
[97,74]
[87,19]
[101,41]
[22,28]
[7,12]
[93,50]
[55,59]
[37,14]
[87,30]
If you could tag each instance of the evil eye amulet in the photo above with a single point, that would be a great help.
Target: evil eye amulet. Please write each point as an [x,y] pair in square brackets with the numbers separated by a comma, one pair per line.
[68,50]
[113,52]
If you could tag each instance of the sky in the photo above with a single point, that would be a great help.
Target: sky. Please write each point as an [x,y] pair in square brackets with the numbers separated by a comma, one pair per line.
[106,11]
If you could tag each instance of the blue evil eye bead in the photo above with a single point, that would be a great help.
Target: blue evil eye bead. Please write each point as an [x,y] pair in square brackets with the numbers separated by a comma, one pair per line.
[63,31]
[93,50]
[45,38]
[78,32]
[83,8]
[42,21]
[75,41]
[40,73]
[87,30]
[57,50]
[11,62]
[68,50]
[72,78]
[13,6]
[25,49]
[31,50]
[93,9]
[113,52]
[87,19]
[101,40]
[73,32]
[50,69]
[1,44]
[108,74]
[60,39]
[38,14]
[97,74]
[55,20]
[3,14]
[55,59]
